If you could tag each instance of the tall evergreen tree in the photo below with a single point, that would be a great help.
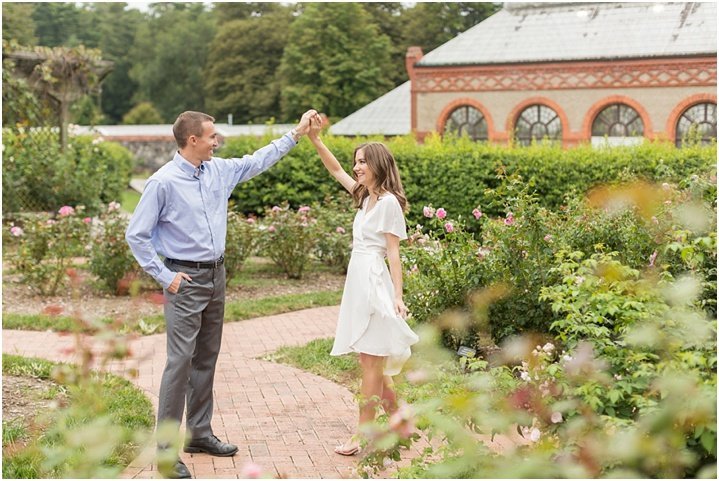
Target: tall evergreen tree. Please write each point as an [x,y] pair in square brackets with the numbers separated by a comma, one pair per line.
[336,60]
[242,66]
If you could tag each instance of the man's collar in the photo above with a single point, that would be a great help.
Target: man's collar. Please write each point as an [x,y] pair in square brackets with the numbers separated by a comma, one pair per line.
[185,165]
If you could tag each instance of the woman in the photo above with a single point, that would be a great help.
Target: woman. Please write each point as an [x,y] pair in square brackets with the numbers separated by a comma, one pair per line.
[372,312]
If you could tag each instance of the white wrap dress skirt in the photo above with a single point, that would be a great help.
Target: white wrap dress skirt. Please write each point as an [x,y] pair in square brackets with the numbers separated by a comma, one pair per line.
[367,320]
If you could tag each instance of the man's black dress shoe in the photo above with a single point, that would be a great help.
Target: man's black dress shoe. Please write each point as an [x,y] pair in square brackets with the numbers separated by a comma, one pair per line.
[180,471]
[210,445]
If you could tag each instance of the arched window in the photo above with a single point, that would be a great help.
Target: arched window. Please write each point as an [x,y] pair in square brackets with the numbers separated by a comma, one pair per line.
[617,124]
[699,120]
[467,120]
[538,122]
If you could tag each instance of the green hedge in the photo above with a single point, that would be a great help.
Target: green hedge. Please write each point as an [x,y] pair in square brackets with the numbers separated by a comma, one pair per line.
[454,173]
[37,176]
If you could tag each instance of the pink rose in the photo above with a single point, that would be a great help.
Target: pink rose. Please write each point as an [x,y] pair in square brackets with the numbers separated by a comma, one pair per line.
[340,230]
[113,206]
[548,238]
[251,220]
[276,208]
[87,220]
[271,228]
[428,211]
[402,420]
[510,219]
[303,209]
[477,213]
[66,210]
[251,470]
[535,434]
[449,227]
[417,376]
[16,231]
[441,213]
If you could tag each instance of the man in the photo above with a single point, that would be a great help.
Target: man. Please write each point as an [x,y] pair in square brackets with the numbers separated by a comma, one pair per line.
[182,216]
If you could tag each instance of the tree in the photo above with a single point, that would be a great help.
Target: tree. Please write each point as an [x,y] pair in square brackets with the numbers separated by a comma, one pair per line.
[169,55]
[389,17]
[229,11]
[242,67]
[17,23]
[115,27]
[336,60]
[430,24]
[56,22]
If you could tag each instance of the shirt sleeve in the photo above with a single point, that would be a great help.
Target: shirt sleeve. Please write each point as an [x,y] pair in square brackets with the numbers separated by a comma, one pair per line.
[244,168]
[140,230]
[390,217]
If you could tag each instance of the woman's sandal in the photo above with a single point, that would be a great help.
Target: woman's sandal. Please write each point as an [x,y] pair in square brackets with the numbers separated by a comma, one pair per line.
[341,449]
[347,452]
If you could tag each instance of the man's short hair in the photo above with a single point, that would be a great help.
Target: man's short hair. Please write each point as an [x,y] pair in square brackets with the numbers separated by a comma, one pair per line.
[189,123]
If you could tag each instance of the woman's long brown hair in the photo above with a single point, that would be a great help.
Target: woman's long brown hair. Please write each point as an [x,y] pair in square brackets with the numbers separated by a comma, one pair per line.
[382,164]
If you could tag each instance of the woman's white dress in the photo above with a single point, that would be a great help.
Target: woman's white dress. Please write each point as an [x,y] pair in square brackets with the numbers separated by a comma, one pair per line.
[367,321]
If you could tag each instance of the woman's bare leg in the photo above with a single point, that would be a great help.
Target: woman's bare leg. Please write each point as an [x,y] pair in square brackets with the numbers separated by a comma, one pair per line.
[370,392]
[389,397]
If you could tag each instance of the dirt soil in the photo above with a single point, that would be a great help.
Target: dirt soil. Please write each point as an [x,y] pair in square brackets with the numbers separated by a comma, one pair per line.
[90,303]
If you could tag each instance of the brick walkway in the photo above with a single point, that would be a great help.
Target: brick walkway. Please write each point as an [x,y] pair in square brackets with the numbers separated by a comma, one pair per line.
[284,419]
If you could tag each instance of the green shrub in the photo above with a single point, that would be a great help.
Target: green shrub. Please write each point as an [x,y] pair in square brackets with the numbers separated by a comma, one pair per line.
[456,172]
[142,113]
[111,259]
[646,225]
[242,239]
[288,238]
[635,378]
[641,330]
[37,176]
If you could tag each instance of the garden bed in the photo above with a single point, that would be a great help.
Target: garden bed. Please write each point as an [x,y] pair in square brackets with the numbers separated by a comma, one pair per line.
[259,279]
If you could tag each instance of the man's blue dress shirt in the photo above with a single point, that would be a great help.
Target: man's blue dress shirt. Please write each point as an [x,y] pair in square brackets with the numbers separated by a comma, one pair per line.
[182,213]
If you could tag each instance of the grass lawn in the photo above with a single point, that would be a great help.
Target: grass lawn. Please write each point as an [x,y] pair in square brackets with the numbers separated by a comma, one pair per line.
[129,200]
[102,410]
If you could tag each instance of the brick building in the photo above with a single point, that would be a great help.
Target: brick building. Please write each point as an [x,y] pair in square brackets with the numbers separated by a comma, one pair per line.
[570,72]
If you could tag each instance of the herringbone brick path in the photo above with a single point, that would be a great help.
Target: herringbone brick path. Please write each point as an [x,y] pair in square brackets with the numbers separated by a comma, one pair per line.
[284,419]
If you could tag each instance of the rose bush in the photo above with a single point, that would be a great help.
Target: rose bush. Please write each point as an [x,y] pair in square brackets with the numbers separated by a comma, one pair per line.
[334,228]
[288,238]
[243,237]
[46,246]
[111,259]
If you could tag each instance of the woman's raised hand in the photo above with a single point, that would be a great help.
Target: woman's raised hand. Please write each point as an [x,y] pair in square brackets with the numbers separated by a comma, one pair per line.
[315,127]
